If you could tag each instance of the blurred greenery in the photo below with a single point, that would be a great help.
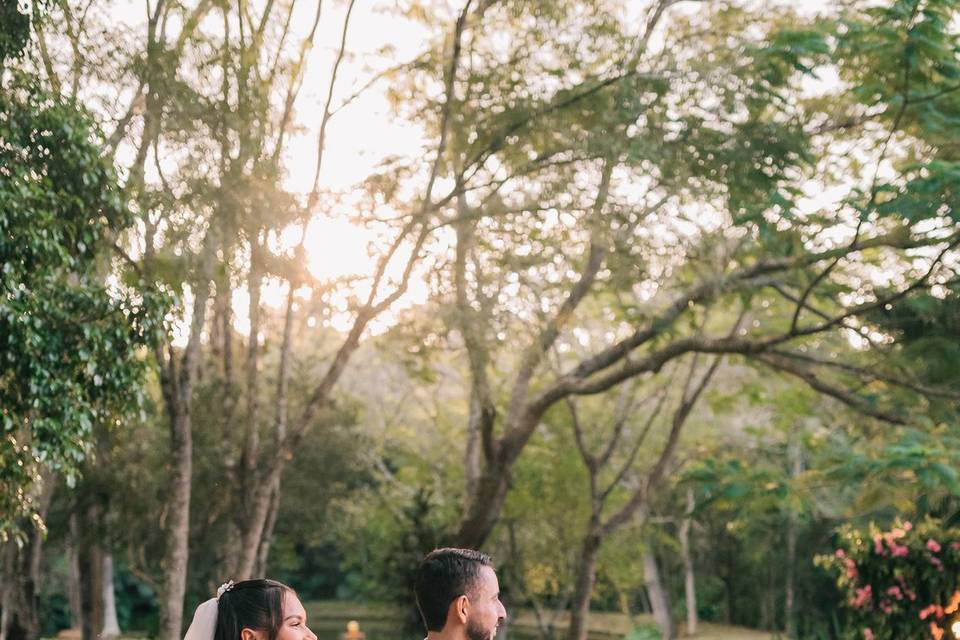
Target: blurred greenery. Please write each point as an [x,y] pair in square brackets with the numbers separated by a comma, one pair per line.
[612,203]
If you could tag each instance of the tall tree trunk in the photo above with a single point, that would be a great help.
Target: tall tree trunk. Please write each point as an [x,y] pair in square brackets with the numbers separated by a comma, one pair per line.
[263,506]
[74,584]
[769,602]
[586,574]
[658,596]
[22,574]
[7,588]
[789,595]
[251,445]
[472,455]
[795,456]
[177,383]
[257,516]
[729,587]
[484,508]
[250,476]
[232,460]
[689,583]
[178,527]
[263,554]
[91,576]
[111,628]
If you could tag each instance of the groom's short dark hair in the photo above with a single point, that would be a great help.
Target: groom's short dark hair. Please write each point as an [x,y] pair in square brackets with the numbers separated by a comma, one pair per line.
[443,576]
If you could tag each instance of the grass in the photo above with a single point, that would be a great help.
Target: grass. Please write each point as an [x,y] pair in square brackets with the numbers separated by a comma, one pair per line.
[378,620]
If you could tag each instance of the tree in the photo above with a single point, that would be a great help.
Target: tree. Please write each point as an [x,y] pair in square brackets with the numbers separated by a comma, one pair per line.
[204,184]
[632,177]
[72,356]
[897,582]
[637,501]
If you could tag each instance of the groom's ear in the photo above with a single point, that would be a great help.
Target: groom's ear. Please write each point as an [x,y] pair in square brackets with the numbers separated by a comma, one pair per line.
[459,609]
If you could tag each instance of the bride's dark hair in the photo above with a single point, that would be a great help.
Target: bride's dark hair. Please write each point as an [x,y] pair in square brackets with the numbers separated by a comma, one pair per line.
[251,604]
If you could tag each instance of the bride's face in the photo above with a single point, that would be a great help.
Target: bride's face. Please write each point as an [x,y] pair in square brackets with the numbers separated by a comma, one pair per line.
[294,625]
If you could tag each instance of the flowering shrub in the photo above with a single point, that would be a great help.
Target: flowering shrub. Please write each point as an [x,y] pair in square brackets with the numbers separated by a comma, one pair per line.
[900,584]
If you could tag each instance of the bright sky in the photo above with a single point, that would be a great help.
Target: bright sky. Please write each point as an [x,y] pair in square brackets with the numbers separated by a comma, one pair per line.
[366,132]
[357,139]
[363,134]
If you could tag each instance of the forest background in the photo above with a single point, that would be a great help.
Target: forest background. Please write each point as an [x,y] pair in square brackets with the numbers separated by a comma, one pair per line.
[645,299]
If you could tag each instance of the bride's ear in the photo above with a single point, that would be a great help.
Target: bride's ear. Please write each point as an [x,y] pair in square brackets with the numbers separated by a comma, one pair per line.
[250,634]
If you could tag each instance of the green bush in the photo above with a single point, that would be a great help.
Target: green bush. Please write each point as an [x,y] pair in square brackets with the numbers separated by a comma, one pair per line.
[644,632]
[899,584]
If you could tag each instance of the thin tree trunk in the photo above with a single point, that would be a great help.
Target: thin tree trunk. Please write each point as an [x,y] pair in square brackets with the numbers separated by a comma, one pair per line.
[6,589]
[178,527]
[111,628]
[250,478]
[74,584]
[795,457]
[223,318]
[257,517]
[91,577]
[769,603]
[789,595]
[251,451]
[22,576]
[586,575]
[267,539]
[282,412]
[472,460]
[177,385]
[485,506]
[728,587]
[265,498]
[658,596]
[690,584]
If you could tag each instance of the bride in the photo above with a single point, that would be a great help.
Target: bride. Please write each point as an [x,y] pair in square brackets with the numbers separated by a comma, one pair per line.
[251,610]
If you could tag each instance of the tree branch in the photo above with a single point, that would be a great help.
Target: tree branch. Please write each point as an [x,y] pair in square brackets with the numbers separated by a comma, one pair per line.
[860,404]
[870,374]
[321,139]
[596,252]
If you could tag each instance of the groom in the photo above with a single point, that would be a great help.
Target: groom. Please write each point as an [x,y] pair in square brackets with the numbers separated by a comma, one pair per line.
[458,595]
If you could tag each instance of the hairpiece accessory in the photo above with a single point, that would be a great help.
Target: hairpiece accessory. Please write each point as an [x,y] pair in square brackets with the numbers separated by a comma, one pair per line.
[226,586]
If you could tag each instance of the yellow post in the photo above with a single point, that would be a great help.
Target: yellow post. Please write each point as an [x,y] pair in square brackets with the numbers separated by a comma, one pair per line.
[353,631]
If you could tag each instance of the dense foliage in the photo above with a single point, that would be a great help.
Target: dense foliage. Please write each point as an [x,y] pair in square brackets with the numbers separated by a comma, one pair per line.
[657,285]
[899,583]
[72,344]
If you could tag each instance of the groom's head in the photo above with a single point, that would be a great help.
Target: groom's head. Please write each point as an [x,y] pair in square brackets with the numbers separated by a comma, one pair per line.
[458,594]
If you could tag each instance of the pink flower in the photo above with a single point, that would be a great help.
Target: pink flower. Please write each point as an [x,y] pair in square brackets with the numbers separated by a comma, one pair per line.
[886,607]
[851,568]
[897,533]
[862,597]
[878,545]
[907,526]
[936,562]
[898,550]
[868,634]
[840,553]
[895,592]
[933,545]
[933,610]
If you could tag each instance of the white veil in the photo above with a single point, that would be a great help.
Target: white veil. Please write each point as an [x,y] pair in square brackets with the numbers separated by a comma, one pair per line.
[204,623]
